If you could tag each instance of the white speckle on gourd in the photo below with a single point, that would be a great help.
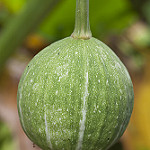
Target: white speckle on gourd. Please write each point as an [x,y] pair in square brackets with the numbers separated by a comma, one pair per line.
[107,82]
[59,109]
[35,86]
[56,92]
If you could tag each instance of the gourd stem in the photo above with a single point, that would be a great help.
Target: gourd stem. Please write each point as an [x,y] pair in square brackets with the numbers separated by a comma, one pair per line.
[82,25]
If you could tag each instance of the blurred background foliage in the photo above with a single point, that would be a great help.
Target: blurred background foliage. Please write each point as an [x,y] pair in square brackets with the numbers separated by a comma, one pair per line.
[27,26]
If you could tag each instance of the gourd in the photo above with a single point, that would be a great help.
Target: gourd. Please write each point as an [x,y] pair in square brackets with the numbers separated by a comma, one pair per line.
[76,93]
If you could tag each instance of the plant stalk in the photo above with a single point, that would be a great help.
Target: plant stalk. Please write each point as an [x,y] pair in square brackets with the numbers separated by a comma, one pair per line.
[22,25]
[82,25]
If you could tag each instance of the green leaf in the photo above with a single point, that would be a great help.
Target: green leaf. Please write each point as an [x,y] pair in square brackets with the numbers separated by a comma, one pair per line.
[146,10]
[20,26]
[14,5]
[6,140]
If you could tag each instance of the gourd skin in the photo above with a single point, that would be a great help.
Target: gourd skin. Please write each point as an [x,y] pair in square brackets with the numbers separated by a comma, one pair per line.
[75,94]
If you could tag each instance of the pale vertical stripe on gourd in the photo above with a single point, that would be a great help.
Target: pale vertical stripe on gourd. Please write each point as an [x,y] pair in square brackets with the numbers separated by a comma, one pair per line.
[82,122]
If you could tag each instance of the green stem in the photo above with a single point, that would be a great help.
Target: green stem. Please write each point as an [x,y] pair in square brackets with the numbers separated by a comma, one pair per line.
[82,25]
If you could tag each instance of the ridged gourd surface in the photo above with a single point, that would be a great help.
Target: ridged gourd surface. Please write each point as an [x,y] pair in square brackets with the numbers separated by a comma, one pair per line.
[75,94]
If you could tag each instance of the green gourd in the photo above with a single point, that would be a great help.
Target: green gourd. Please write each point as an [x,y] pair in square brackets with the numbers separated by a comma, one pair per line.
[75,94]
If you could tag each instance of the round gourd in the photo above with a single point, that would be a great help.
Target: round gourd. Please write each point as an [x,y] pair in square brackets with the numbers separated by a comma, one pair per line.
[75,94]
